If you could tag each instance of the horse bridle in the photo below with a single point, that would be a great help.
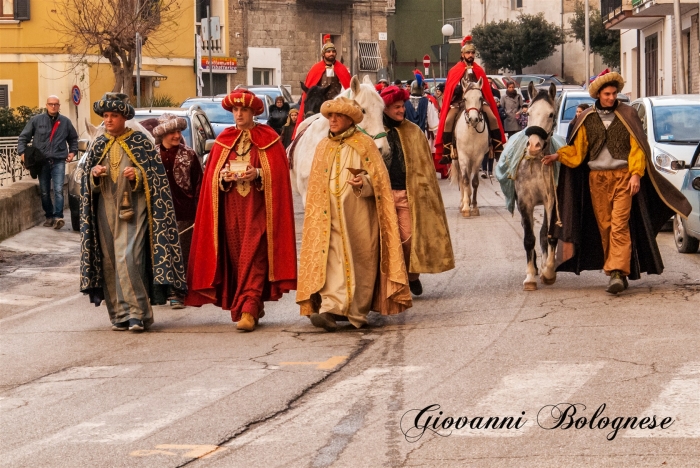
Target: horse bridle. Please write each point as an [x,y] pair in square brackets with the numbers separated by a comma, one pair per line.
[374,137]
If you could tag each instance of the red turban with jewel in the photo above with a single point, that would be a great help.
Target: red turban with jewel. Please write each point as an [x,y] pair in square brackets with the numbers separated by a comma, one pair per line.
[243,98]
[391,94]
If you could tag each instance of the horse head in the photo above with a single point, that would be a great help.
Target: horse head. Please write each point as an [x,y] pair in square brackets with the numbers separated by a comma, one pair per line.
[473,101]
[314,97]
[540,118]
[372,109]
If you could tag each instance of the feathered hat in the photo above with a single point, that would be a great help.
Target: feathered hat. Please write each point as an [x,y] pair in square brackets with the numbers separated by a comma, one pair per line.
[606,77]
[327,44]
[467,44]
[417,85]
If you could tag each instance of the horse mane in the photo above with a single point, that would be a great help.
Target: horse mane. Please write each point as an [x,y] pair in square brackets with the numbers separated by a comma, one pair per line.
[542,94]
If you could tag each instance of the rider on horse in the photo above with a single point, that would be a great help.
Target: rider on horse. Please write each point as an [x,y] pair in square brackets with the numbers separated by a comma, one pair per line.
[470,71]
[326,72]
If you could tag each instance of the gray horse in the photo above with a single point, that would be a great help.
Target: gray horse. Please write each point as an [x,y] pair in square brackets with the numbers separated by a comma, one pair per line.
[535,185]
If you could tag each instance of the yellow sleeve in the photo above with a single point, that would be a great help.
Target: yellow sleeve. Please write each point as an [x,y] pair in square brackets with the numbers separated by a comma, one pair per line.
[573,155]
[637,162]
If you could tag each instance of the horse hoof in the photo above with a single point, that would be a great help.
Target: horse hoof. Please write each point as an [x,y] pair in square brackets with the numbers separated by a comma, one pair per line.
[548,281]
[475,212]
[465,214]
[530,286]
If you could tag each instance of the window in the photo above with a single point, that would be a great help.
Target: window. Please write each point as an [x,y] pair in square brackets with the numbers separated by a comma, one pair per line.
[7,9]
[4,96]
[370,58]
[14,9]
[514,4]
[262,76]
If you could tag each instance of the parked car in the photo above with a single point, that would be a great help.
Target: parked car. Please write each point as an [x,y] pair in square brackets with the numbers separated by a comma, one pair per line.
[219,117]
[198,135]
[566,105]
[502,84]
[542,82]
[686,232]
[271,91]
[672,125]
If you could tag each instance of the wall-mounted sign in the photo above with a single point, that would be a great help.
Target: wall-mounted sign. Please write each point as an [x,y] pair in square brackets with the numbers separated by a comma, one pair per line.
[382,36]
[221,64]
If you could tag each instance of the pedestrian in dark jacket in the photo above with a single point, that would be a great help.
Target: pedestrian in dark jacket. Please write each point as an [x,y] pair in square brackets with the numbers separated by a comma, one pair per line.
[288,128]
[279,112]
[54,135]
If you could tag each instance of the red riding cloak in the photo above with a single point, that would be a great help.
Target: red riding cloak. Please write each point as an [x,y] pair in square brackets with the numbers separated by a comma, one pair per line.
[205,262]
[453,79]
[314,77]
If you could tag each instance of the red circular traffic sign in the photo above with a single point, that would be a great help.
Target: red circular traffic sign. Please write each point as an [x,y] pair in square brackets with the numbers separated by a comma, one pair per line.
[426,61]
[75,94]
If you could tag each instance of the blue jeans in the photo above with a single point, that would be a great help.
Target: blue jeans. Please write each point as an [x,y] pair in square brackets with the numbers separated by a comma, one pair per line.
[54,171]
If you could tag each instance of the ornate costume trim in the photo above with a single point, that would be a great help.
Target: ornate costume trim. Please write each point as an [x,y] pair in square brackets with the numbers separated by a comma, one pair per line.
[267,184]
[215,194]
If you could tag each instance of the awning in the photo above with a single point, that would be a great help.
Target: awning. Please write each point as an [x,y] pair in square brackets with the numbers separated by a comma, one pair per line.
[152,74]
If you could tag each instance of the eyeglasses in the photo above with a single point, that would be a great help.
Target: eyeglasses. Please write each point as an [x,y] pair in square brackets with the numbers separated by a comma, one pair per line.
[52,104]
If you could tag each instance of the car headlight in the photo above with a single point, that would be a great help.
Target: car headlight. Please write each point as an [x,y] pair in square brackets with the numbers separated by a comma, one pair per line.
[662,161]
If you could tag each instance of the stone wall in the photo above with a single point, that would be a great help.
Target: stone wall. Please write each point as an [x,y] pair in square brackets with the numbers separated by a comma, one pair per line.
[296,27]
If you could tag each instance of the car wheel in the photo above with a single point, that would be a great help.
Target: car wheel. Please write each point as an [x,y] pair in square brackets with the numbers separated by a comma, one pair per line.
[684,242]
[74,205]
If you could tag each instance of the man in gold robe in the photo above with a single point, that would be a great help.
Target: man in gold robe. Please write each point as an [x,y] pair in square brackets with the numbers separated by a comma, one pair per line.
[425,236]
[351,257]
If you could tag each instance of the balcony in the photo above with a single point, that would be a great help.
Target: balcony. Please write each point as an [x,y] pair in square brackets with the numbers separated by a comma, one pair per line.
[638,14]
[456,23]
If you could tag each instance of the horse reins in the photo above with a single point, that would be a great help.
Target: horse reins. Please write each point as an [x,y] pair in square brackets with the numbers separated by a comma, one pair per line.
[374,137]
[479,111]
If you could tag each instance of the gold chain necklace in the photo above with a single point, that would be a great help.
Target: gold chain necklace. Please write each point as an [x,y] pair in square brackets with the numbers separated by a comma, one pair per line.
[115,159]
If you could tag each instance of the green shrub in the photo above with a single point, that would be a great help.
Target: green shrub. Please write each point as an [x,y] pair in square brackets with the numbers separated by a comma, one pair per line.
[162,100]
[13,121]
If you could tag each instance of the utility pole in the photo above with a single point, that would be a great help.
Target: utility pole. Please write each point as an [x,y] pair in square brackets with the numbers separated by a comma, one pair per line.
[587,53]
[138,56]
[211,65]
[680,65]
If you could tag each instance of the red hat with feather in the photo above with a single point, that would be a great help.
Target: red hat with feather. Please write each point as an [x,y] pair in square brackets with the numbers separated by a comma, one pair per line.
[327,44]
[467,44]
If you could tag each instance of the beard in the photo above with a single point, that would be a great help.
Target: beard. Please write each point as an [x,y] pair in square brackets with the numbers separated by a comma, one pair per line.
[329,61]
[469,60]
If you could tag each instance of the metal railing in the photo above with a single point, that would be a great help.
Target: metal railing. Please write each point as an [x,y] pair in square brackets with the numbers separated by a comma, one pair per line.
[11,168]
[609,6]
[457,25]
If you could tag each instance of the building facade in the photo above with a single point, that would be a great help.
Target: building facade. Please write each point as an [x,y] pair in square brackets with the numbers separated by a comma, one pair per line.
[567,61]
[648,45]
[34,66]
[276,42]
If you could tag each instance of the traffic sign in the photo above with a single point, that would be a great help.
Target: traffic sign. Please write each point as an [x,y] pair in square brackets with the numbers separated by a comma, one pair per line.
[426,61]
[75,94]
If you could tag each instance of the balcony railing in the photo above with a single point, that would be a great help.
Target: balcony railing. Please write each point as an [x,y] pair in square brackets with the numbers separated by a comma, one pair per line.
[609,6]
[11,168]
[457,25]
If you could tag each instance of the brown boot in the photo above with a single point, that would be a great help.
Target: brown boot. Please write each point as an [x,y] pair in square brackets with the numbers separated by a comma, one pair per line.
[246,323]
[446,148]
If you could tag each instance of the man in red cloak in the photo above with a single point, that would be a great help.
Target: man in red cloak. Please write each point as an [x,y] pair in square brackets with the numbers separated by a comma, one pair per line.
[243,246]
[327,72]
[452,98]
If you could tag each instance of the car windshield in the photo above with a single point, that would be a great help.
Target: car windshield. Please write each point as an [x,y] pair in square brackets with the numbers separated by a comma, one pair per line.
[571,104]
[677,124]
[213,109]
[186,133]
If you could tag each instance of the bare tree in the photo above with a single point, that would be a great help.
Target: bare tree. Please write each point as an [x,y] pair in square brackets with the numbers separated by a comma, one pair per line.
[108,28]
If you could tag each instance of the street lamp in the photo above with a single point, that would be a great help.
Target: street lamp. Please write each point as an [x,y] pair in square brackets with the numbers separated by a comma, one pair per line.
[447,31]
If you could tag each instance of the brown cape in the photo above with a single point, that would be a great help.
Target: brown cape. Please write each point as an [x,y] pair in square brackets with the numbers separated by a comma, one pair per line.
[431,247]
[391,294]
[656,201]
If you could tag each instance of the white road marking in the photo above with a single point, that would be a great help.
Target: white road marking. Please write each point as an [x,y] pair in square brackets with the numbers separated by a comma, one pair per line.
[50,305]
[680,399]
[528,390]
[21,299]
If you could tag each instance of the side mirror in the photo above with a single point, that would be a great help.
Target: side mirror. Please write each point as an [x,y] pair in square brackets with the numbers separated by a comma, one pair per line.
[696,183]
[678,165]
[83,145]
[208,145]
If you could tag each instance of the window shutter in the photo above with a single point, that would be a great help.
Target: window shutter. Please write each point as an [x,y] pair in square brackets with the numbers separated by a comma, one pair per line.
[4,98]
[22,10]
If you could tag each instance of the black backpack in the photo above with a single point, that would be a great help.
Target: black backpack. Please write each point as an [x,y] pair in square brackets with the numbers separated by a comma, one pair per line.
[34,160]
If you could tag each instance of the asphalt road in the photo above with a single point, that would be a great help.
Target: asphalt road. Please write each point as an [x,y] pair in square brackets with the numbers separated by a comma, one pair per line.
[194,391]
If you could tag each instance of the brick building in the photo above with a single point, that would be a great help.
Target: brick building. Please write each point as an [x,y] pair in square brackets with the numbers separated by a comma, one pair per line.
[277,41]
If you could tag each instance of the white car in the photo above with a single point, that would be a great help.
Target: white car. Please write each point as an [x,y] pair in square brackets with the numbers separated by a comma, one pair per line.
[672,125]
[566,105]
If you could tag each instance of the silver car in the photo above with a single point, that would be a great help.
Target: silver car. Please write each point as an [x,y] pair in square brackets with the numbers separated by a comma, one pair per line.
[567,103]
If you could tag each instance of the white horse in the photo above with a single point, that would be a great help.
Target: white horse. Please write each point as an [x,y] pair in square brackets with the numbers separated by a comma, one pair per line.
[535,185]
[471,133]
[314,129]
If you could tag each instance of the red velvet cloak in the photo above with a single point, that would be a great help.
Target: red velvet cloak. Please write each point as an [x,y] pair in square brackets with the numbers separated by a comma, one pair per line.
[453,79]
[314,77]
[281,238]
